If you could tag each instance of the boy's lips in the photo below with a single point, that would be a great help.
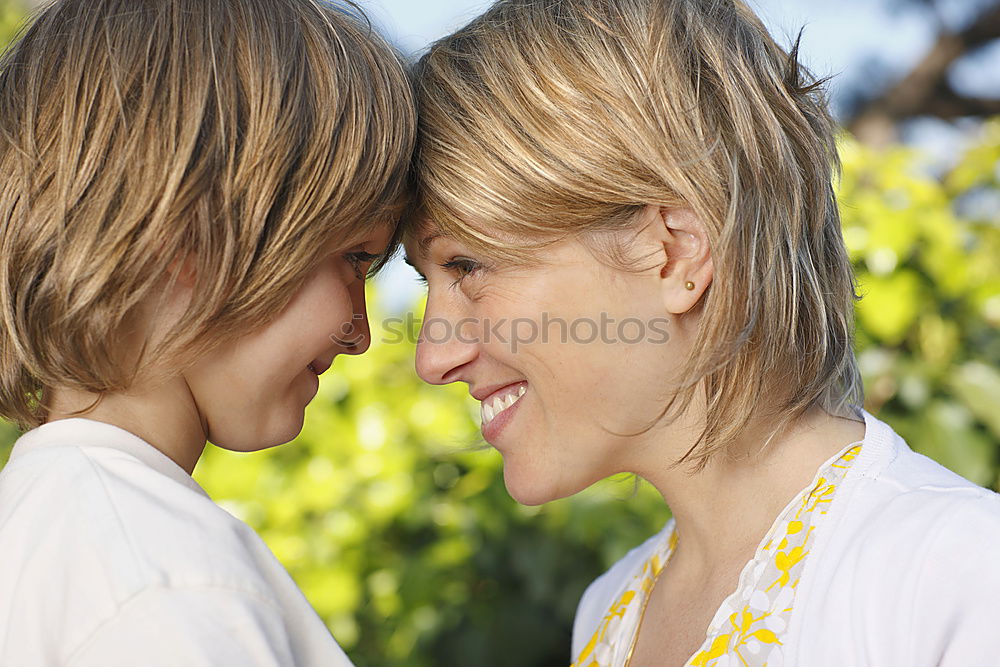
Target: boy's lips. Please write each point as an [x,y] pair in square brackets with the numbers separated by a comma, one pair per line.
[319,366]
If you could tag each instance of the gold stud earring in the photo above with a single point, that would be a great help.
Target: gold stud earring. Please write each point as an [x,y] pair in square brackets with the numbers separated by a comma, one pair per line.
[689,286]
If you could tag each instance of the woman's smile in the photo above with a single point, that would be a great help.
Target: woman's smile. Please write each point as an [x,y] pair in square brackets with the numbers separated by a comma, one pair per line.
[498,408]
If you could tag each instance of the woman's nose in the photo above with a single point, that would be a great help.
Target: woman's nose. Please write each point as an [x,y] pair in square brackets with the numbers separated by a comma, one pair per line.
[446,344]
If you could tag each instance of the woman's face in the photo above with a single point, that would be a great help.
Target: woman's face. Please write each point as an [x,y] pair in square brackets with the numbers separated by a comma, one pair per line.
[253,392]
[570,358]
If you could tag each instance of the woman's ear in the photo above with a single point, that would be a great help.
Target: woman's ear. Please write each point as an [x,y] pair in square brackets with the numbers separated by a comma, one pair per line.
[687,269]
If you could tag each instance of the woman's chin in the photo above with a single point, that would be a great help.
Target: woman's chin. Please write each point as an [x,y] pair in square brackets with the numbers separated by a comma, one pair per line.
[532,489]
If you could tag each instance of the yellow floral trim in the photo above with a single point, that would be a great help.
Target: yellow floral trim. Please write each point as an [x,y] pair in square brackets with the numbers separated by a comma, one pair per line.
[596,652]
[755,617]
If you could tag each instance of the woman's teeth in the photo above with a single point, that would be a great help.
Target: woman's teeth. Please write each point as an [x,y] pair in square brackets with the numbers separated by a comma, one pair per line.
[493,408]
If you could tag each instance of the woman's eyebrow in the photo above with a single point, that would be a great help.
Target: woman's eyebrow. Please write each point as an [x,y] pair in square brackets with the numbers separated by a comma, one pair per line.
[425,243]
[423,247]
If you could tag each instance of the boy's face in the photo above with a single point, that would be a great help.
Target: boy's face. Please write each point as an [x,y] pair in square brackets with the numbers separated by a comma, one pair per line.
[252,393]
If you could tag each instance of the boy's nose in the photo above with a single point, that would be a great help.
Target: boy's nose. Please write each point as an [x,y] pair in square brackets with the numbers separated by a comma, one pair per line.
[355,335]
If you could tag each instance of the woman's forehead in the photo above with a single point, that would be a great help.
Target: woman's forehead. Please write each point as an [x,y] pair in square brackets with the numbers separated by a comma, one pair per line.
[419,237]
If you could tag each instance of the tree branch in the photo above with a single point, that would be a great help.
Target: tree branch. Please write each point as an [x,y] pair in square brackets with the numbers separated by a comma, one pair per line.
[925,91]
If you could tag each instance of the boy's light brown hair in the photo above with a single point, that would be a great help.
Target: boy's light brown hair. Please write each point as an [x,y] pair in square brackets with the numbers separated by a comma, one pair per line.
[243,134]
[541,120]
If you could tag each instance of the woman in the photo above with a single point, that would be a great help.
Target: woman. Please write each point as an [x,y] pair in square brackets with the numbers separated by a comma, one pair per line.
[626,221]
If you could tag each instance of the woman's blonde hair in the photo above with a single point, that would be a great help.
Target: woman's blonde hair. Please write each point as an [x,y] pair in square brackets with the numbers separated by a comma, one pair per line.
[542,119]
[244,135]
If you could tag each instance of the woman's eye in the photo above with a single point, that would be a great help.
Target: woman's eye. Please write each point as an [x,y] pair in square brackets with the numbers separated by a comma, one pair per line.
[461,267]
[357,260]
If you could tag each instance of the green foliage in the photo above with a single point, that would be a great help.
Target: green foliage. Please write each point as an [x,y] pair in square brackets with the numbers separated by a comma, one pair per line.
[929,274]
[12,13]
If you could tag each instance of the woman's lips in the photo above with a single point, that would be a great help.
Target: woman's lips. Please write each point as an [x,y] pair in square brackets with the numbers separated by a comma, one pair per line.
[499,408]
[499,401]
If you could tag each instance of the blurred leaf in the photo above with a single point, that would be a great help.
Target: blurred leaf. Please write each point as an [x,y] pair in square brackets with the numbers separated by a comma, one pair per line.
[978,385]
[890,304]
[946,432]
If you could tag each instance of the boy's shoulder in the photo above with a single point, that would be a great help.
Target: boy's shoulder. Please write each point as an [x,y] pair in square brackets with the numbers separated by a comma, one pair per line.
[82,510]
[88,530]
[145,525]
[98,550]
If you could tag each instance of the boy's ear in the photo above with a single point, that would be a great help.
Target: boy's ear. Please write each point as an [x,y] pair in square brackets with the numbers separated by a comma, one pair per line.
[686,270]
[182,268]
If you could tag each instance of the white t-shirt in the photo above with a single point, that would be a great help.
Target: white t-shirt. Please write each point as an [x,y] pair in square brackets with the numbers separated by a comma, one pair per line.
[904,572]
[111,555]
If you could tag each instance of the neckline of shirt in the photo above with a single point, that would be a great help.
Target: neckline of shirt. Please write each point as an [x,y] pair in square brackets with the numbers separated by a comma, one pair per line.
[84,432]
[780,521]
[664,550]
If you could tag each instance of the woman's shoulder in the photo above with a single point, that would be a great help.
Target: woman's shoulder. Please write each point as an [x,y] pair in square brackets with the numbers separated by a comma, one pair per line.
[905,568]
[905,576]
[914,523]
[900,503]
[893,490]
[902,490]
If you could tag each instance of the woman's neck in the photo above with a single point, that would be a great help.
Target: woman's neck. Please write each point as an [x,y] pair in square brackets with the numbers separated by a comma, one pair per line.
[723,511]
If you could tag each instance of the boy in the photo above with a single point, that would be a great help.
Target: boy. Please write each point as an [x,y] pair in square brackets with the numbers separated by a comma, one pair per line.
[191,195]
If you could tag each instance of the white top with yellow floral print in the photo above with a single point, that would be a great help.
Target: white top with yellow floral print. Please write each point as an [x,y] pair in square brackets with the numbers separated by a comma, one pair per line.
[887,559]
[747,628]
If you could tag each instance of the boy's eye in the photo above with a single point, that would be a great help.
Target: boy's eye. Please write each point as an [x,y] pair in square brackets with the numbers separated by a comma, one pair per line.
[357,259]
